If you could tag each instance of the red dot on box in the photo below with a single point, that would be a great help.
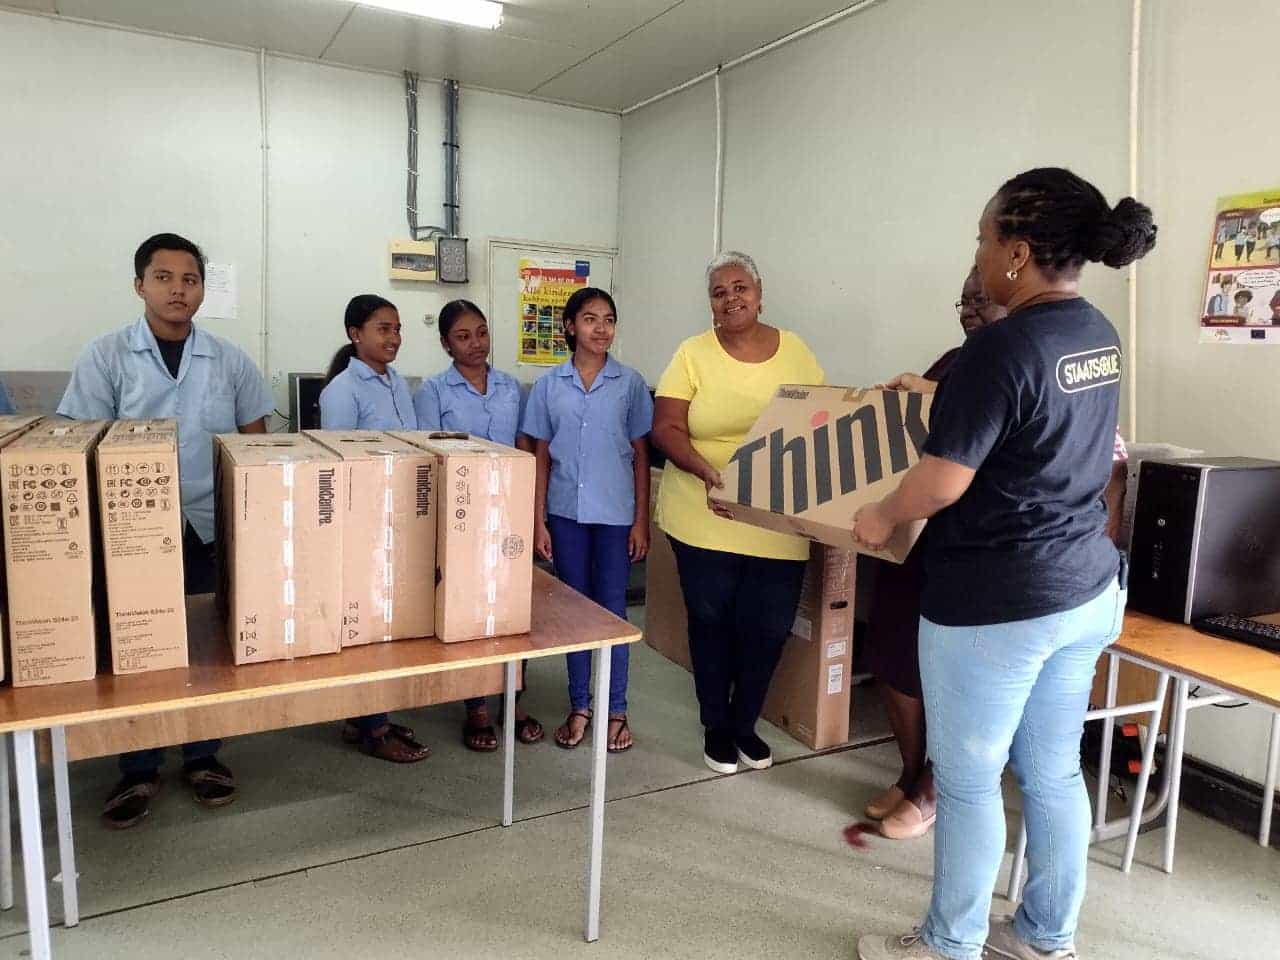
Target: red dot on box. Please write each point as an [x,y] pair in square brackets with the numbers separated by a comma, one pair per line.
[819,418]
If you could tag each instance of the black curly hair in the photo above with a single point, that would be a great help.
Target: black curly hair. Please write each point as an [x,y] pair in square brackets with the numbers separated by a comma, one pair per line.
[1067,221]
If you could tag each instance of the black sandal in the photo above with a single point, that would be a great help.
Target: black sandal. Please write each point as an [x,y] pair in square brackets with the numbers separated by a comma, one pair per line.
[529,730]
[573,745]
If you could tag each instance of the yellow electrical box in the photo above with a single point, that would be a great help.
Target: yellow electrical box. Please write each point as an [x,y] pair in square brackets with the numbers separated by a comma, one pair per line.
[413,260]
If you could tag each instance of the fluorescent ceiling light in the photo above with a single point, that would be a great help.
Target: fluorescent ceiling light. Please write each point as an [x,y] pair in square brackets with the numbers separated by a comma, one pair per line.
[471,13]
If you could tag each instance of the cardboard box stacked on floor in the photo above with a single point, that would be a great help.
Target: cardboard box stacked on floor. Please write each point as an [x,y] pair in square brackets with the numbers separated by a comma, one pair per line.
[815,455]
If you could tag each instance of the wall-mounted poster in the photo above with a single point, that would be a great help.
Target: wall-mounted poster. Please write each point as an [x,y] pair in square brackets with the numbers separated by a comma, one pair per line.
[546,283]
[1242,291]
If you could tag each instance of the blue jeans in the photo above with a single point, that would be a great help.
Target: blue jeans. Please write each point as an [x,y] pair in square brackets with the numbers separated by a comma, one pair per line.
[1011,692]
[592,558]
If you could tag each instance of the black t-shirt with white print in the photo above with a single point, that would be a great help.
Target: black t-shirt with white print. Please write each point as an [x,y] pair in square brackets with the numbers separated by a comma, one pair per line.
[1031,403]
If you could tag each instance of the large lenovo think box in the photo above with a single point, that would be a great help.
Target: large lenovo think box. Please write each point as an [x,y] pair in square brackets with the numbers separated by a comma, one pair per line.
[1206,538]
[279,515]
[141,516]
[11,428]
[49,537]
[388,536]
[818,454]
[484,546]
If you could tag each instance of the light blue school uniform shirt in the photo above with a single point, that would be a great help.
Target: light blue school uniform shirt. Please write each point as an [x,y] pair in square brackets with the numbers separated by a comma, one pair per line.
[449,402]
[122,376]
[590,433]
[360,399]
[6,405]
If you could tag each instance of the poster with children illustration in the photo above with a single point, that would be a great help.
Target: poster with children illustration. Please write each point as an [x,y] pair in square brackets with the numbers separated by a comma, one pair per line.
[546,283]
[1241,302]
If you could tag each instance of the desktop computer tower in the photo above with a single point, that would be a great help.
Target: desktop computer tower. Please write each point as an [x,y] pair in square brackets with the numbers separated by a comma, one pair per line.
[1206,538]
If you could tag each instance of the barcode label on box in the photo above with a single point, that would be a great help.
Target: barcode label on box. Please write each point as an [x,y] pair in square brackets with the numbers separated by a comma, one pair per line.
[802,628]
[835,679]
[837,649]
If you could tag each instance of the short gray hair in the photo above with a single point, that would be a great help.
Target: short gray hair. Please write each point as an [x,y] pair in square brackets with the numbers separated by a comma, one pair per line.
[732,258]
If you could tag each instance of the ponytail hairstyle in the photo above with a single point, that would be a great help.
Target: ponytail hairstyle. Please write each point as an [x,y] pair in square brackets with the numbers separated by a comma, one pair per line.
[1066,222]
[573,306]
[359,310]
[452,311]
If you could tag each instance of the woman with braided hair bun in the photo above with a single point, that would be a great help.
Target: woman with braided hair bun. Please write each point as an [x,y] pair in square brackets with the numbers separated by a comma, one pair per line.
[1023,588]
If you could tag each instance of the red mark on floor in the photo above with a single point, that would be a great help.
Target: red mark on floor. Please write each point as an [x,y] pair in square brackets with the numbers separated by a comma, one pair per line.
[855,835]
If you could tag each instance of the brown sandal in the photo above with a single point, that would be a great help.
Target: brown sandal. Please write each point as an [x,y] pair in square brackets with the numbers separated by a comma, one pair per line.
[564,732]
[482,738]
[613,743]
[387,746]
[351,732]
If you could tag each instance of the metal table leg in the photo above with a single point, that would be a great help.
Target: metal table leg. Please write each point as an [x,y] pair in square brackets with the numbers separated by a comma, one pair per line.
[1018,867]
[66,842]
[1138,806]
[600,740]
[24,749]
[1182,692]
[6,837]
[509,746]
[1269,791]
[1108,737]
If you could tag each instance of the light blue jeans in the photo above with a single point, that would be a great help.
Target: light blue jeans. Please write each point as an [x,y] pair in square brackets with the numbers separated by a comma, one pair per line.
[994,694]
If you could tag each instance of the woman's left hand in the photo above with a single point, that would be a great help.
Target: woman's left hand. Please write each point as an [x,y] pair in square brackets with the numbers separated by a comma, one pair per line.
[871,527]
[638,541]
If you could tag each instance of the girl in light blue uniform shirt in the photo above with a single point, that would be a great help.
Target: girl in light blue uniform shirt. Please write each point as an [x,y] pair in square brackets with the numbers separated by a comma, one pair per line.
[364,392]
[471,397]
[590,418]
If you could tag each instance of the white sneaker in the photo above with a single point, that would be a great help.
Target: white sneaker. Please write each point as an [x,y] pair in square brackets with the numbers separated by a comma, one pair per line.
[1004,942]
[908,947]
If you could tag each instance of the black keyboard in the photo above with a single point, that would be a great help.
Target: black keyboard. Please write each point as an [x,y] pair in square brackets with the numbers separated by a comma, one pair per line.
[1253,632]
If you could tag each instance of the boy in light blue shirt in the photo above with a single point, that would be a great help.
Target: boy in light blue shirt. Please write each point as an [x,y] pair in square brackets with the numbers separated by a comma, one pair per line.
[162,365]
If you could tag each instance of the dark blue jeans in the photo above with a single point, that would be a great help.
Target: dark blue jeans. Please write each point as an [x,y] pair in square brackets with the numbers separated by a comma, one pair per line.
[592,558]
[740,612]
[199,569]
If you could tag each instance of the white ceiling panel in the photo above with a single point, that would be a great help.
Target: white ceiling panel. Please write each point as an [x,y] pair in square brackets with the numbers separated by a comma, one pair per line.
[603,53]
[585,24]
[301,27]
[681,44]
[376,38]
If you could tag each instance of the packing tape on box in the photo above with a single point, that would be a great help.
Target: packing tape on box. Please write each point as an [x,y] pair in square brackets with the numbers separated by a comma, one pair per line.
[290,594]
[490,541]
[387,544]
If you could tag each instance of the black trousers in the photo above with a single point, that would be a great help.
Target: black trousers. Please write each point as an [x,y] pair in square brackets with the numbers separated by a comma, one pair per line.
[741,610]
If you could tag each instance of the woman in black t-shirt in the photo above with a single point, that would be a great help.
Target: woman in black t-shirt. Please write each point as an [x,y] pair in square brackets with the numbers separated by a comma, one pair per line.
[1021,592]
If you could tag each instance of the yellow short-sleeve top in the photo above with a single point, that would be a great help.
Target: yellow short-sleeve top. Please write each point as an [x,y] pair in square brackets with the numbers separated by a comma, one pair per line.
[725,397]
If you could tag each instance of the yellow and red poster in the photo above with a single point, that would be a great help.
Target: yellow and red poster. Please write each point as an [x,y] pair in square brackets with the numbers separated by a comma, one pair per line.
[546,283]
[1242,292]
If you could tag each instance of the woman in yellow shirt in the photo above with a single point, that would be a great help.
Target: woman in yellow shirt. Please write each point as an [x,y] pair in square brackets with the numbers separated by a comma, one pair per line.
[741,584]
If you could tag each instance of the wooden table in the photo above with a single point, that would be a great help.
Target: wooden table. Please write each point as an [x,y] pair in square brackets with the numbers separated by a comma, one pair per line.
[212,698]
[1205,671]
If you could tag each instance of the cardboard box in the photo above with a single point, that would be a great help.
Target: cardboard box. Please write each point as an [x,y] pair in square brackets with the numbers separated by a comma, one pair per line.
[811,694]
[11,427]
[388,536]
[484,546]
[49,536]
[280,510]
[140,509]
[812,690]
[817,454]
